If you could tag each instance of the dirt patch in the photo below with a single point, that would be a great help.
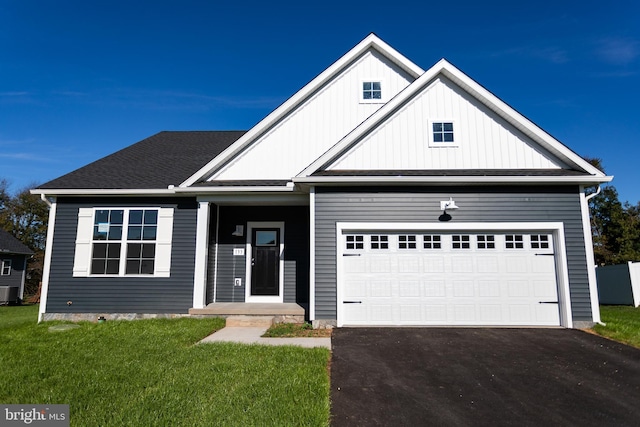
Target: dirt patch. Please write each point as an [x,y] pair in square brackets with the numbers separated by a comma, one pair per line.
[296,330]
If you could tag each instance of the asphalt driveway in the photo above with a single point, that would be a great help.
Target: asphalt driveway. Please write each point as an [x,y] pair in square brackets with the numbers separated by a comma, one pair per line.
[452,376]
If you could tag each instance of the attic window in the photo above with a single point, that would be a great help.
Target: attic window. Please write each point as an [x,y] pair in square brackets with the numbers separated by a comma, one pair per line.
[371,91]
[442,134]
[6,267]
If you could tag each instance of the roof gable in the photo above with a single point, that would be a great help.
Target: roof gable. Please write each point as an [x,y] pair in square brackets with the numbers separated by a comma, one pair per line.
[369,53]
[447,76]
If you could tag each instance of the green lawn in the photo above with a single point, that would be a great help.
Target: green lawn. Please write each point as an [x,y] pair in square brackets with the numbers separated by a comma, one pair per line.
[622,324]
[149,372]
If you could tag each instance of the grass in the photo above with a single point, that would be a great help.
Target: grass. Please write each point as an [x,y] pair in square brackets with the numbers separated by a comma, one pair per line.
[149,372]
[293,330]
[622,324]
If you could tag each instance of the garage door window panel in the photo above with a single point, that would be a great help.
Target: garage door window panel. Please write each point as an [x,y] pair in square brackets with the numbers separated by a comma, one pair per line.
[461,241]
[539,241]
[407,241]
[380,242]
[486,241]
[432,241]
[354,241]
[514,241]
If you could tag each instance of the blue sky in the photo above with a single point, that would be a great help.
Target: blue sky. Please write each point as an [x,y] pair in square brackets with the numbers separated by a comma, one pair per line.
[82,79]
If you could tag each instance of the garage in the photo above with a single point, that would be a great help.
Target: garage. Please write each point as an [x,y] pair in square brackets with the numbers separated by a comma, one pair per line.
[446,276]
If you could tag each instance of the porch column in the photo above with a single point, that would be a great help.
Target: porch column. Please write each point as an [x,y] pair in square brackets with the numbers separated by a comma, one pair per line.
[200,274]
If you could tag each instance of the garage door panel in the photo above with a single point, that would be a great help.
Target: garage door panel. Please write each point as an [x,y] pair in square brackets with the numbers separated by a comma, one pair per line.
[415,282]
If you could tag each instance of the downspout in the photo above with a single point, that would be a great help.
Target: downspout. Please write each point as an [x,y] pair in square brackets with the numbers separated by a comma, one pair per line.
[44,199]
[587,198]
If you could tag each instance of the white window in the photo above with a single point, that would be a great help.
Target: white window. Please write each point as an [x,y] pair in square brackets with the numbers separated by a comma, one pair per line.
[6,267]
[514,241]
[371,91]
[355,241]
[379,242]
[486,241]
[460,241]
[123,242]
[406,241]
[539,241]
[442,134]
[432,241]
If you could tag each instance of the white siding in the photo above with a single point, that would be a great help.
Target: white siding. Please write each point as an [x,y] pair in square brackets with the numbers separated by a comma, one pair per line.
[483,140]
[318,123]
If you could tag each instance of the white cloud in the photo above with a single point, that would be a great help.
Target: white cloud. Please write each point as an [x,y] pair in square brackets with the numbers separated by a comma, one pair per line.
[618,51]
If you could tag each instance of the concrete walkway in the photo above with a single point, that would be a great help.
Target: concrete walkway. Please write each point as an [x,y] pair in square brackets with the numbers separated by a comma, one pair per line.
[253,335]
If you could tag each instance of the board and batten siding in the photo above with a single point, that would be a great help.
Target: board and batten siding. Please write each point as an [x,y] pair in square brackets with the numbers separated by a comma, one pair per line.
[229,266]
[319,122]
[490,204]
[122,294]
[482,139]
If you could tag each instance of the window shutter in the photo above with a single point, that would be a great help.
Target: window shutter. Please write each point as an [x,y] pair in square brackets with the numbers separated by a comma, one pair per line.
[82,258]
[163,242]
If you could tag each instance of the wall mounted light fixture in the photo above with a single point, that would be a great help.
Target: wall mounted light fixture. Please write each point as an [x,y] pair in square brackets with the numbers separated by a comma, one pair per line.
[446,205]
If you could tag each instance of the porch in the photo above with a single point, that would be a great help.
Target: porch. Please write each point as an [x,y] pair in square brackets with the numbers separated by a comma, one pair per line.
[281,312]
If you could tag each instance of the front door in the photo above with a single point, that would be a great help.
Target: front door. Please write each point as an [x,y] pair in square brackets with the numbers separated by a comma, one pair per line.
[265,262]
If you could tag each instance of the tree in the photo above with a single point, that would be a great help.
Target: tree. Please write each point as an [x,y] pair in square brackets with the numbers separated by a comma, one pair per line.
[615,226]
[25,216]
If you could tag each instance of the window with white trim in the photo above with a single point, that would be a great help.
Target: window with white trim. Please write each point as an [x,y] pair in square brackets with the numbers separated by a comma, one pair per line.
[461,241]
[355,241]
[432,241]
[406,241]
[6,267]
[514,241]
[379,242]
[442,134]
[486,241]
[371,91]
[132,241]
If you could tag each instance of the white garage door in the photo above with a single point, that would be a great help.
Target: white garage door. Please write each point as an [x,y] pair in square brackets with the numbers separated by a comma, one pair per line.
[433,278]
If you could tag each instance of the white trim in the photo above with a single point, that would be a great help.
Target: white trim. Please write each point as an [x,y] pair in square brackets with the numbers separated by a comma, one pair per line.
[236,189]
[215,258]
[591,264]
[312,253]
[370,42]
[202,239]
[46,269]
[24,276]
[556,228]
[372,180]
[248,251]
[8,262]
[257,199]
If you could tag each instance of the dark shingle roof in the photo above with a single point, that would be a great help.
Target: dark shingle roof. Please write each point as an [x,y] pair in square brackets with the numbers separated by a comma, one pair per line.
[166,158]
[454,172]
[9,244]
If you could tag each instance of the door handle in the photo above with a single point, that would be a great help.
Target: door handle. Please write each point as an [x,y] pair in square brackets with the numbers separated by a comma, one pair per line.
[547,302]
[352,302]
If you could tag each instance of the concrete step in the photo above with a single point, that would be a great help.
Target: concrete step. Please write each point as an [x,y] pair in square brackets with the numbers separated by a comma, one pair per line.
[250,321]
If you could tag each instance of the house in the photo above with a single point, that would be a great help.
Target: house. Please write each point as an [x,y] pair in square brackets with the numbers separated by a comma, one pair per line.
[13,266]
[378,194]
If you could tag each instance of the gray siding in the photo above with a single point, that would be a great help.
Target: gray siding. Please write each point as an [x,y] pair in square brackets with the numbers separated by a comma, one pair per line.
[296,252]
[487,204]
[17,269]
[172,294]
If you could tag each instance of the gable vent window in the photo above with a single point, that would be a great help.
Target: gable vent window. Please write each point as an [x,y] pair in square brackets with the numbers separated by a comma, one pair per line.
[371,92]
[443,132]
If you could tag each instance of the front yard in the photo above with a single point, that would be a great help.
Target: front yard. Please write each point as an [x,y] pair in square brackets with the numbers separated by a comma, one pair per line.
[622,324]
[149,372]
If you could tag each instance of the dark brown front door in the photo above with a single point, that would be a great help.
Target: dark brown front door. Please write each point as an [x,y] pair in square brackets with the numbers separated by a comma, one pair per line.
[265,261]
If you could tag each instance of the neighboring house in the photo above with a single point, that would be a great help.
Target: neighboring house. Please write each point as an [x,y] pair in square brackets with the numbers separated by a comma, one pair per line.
[342,200]
[619,284]
[13,262]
